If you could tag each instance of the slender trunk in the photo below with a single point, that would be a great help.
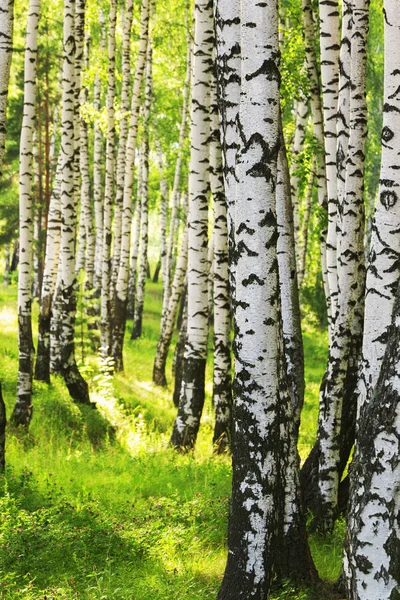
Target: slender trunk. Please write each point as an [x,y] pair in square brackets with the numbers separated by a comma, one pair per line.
[97,171]
[6,45]
[42,367]
[292,338]
[105,324]
[77,386]
[178,166]
[227,26]
[191,402]
[144,227]
[123,134]
[22,413]
[120,297]
[163,263]
[167,329]
[134,254]
[329,47]
[177,365]
[305,226]
[296,150]
[222,378]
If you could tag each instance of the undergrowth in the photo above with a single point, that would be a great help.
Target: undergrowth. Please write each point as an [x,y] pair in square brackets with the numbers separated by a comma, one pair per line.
[96,506]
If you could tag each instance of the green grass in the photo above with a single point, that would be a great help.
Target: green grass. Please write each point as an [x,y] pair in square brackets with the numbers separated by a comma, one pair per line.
[96,506]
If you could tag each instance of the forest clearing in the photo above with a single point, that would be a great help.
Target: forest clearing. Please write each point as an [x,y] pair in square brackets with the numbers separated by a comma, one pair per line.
[200,300]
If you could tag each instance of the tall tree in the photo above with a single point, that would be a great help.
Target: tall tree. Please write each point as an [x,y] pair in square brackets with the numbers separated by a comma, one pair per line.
[193,385]
[23,408]
[6,45]
[77,386]
[120,297]
[265,486]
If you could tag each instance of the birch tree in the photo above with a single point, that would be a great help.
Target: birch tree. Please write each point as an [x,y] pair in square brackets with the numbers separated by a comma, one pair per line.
[23,408]
[265,487]
[120,297]
[105,309]
[77,386]
[6,45]
[371,558]
[193,385]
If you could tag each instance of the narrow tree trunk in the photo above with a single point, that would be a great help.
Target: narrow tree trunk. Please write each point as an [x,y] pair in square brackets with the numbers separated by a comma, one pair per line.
[144,227]
[6,46]
[167,329]
[121,289]
[77,386]
[177,365]
[123,134]
[178,166]
[134,253]
[97,171]
[222,377]
[42,367]
[191,402]
[105,310]
[292,337]
[329,47]
[305,227]
[22,413]
[227,26]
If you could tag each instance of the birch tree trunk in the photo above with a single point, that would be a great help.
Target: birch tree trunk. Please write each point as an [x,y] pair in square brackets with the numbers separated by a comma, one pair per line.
[192,392]
[383,264]
[105,309]
[175,195]
[222,378]
[371,557]
[123,134]
[227,26]
[77,386]
[329,46]
[42,367]
[291,320]
[121,289]
[262,444]
[337,394]
[22,413]
[297,148]
[159,376]
[6,46]
[144,227]
[97,171]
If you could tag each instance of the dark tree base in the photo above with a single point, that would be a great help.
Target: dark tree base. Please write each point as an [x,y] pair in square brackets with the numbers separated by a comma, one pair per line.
[77,386]
[159,377]
[22,414]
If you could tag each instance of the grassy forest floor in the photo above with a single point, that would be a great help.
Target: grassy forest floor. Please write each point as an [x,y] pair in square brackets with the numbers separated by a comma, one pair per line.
[94,504]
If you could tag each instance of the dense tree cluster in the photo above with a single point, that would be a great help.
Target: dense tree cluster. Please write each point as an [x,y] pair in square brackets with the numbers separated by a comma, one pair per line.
[238,129]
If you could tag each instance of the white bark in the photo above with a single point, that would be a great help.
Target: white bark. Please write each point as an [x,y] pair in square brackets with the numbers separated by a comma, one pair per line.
[97,170]
[105,312]
[123,133]
[23,409]
[329,46]
[383,264]
[192,393]
[121,287]
[6,44]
